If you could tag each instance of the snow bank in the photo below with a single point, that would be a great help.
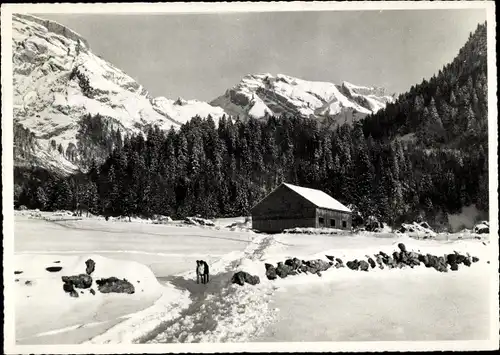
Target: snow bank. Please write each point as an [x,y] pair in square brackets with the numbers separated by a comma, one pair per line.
[316,231]
[199,221]
[45,313]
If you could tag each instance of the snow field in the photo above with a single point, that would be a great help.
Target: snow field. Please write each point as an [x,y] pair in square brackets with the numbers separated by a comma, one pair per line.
[160,250]
[382,305]
[40,292]
[396,304]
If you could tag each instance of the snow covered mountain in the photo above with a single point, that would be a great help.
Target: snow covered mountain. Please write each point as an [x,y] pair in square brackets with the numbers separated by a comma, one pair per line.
[58,83]
[264,94]
[57,80]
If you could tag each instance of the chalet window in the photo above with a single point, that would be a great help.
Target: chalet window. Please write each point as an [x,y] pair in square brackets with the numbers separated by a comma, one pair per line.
[344,224]
[321,220]
[332,223]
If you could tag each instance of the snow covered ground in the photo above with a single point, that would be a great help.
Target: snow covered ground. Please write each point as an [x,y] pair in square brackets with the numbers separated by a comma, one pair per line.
[385,305]
[342,305]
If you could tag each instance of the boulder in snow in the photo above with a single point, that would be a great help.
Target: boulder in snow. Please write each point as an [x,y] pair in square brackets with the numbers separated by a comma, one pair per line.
[294,263]
[90,266]
[482,228]
[353,264]
[270,272]
[363,265]
[113,284]
[242,277]
[282,270]
[78,281]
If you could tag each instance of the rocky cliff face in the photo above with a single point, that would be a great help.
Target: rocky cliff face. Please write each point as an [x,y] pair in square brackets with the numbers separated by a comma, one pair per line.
[264,94]
[57,80]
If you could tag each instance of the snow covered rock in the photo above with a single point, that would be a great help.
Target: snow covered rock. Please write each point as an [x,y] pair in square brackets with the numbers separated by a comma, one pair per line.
[294,263]
[417,229]
[78,281]
[482,228]
[198,221]
[353,264]
[270,272]
[242,277]
[310,230]
[363,265]
[113,284]
[160,219]
[261,95]
[283,270]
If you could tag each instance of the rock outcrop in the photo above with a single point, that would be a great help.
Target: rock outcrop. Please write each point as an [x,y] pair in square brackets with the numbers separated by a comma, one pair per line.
[90,266]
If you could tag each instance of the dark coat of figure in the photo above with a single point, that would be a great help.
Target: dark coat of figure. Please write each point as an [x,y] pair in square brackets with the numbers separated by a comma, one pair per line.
[202,271]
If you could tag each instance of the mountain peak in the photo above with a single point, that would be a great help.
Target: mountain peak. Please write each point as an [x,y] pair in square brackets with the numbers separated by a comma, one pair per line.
[258,95]
[54,27]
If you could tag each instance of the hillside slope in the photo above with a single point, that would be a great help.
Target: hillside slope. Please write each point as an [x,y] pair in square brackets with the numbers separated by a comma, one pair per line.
[449,110]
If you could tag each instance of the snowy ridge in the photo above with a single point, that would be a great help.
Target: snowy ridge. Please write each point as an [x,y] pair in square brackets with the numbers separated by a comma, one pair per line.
[57,80]
[259,95]
[181,111]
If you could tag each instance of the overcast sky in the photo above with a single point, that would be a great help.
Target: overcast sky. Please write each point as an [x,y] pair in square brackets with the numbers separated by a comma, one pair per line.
[200,56]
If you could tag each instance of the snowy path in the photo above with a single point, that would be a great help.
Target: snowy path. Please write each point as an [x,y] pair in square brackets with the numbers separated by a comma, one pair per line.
[219,311]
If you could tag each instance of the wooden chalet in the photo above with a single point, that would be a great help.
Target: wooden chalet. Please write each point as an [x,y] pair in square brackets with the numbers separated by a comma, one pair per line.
[290,206]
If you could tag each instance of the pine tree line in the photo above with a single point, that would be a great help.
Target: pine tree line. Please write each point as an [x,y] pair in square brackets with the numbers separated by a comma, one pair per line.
[223,171]
[449,110]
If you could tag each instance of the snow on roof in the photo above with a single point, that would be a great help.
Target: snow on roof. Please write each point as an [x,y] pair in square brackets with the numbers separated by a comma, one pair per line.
[319,198]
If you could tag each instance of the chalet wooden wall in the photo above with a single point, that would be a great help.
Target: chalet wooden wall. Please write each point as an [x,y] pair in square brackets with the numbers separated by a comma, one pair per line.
[337,216]
[278,225]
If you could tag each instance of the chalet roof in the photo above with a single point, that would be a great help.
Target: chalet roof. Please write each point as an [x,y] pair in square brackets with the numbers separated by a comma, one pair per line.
[318,198]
